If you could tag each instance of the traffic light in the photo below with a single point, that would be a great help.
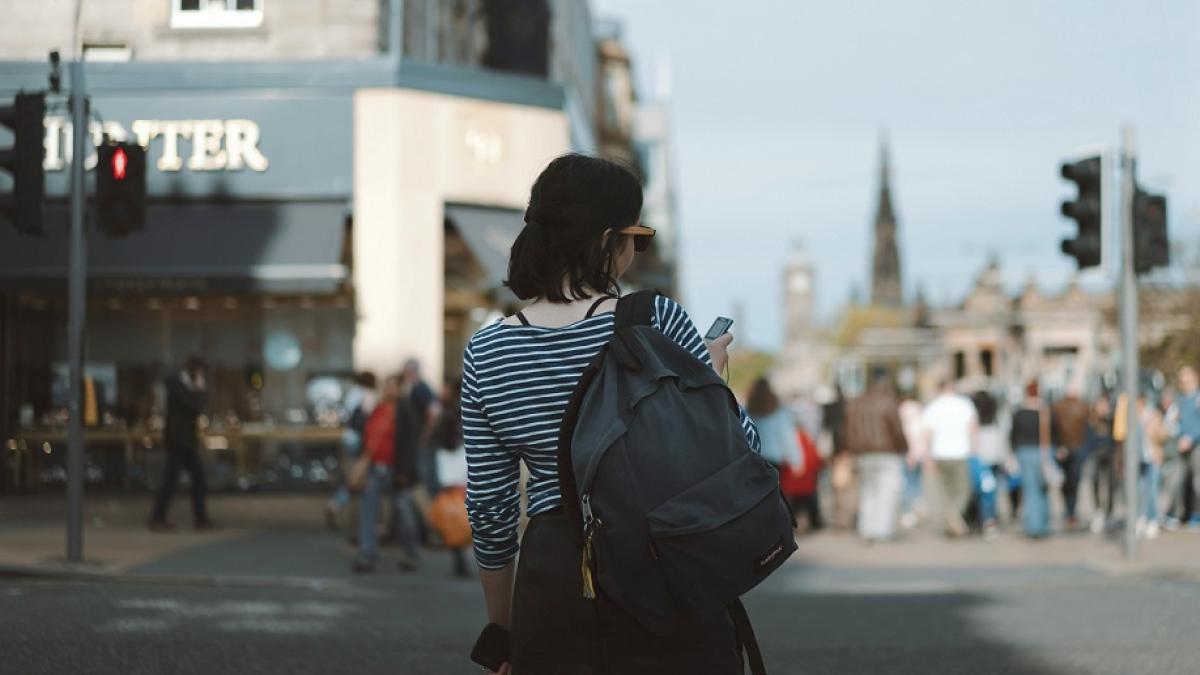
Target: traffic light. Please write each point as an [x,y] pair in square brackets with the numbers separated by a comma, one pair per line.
[120,188]
[1087,246]
[23,161]
[1151,248]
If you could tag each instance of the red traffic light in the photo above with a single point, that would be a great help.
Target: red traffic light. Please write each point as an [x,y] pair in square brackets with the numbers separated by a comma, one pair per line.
[120,188]
[119,162]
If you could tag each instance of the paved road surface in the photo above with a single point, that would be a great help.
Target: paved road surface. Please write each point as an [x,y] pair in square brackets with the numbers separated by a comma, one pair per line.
[813,617]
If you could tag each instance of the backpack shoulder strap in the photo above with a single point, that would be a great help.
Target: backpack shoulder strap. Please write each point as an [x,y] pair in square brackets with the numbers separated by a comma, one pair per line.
[636,309]
[745,637]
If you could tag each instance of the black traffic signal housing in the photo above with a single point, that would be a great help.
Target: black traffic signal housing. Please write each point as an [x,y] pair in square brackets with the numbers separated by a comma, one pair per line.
[22,206]
[1087,246]
[1151,247]
[120,188]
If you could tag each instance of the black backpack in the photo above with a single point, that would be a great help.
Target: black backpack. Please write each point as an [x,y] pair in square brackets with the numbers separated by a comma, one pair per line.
[678,514]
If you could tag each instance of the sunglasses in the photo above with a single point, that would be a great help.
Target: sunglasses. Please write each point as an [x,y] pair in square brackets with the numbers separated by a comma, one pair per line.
[641,236]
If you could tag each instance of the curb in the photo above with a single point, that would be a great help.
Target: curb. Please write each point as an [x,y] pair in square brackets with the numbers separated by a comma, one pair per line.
[84,574]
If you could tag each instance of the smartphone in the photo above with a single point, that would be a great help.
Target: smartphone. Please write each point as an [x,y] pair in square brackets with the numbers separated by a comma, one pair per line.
[719,327]
[492,648]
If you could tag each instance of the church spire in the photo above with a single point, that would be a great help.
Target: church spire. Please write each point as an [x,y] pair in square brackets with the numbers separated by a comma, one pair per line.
[885,268]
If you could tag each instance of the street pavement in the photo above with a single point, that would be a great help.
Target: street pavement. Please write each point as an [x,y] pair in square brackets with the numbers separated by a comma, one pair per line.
[281,599]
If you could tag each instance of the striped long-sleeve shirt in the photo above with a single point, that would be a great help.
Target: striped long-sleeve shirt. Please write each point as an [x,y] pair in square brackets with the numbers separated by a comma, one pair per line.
[516,384]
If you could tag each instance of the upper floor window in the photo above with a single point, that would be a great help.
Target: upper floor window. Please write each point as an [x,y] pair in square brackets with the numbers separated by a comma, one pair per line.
[216,13]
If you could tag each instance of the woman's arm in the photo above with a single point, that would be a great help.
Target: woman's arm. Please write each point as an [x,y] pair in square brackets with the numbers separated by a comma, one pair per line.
[497,593]
[674,322]
[493,499]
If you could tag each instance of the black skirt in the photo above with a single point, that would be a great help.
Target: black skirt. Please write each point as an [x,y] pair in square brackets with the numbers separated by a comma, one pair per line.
[556,631]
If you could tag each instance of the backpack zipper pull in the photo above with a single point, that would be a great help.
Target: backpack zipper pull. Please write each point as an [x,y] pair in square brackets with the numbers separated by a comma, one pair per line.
[586,507]
[589,520]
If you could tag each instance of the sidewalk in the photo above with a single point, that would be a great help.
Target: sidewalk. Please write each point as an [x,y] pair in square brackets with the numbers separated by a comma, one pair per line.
[1172,554]
[116,540]
[283,539]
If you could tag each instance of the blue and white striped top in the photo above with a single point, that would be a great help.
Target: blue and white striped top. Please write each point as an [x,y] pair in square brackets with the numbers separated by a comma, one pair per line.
[516,384]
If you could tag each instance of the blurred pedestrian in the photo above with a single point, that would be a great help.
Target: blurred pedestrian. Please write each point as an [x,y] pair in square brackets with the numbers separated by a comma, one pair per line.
[357,405]
[833,418]
[910,419]
[841,463]
[875,437]
[427,409]
[1030,437]
[950,426]
[454,528]
[992,453]
[800,483]
[391,473]
[1174,469]
[1103,451]
[776,428]
[1070,415]
[1188,436]
[187,398]
[1150,469]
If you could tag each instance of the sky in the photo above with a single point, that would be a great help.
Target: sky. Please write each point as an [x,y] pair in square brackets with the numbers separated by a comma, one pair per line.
[778,108]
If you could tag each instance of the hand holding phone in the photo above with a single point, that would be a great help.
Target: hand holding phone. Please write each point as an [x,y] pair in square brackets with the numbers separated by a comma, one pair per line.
[719,327]
[716,346]
[492,648]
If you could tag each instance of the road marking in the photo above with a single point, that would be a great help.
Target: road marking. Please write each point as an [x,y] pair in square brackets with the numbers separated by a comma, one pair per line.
[274,626]
[245,616]
[136,625]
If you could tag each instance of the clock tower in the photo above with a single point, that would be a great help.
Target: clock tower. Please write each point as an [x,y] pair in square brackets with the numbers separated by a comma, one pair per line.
[798,296]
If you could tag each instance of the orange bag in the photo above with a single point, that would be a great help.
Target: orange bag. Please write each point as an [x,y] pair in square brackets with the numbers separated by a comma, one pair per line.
[448,516]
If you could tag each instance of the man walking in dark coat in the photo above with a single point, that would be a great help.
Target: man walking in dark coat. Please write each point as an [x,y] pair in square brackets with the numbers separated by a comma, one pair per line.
[187,397]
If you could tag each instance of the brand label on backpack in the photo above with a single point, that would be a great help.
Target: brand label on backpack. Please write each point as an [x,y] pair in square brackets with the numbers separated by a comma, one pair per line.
[763,562]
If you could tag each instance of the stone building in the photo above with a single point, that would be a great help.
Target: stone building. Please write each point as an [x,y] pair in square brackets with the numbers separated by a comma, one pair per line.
[998,341]
[653,145]
[331,187]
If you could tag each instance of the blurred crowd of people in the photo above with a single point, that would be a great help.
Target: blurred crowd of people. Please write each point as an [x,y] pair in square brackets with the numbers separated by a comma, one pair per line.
[977,463]
[403,453]
[880,463]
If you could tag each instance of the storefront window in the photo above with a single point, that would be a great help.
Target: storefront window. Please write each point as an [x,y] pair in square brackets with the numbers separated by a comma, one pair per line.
[277,369]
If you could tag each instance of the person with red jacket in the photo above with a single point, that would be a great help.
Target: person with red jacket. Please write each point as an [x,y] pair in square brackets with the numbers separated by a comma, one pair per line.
[390,443]
[799,483]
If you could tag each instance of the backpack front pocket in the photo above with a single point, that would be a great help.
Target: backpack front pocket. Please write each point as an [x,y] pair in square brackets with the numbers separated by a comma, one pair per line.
[722,536]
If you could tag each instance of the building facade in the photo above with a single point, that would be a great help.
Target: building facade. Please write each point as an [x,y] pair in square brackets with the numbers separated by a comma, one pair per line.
[654,149]
[332,187]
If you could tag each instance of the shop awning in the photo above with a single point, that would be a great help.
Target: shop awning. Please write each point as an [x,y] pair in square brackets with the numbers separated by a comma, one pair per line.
[287,247]
[489,233]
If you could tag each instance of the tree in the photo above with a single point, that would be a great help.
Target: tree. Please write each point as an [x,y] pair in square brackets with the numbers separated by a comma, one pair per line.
[1180,346]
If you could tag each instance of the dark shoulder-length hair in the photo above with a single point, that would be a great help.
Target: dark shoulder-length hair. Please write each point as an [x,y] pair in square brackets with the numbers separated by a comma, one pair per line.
[561,254]
[762,400]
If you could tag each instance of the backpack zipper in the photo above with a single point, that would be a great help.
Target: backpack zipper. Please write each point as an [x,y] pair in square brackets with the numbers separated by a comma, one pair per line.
[589,529]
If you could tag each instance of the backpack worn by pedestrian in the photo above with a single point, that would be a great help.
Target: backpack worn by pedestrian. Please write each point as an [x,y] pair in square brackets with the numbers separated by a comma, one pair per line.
[678,514]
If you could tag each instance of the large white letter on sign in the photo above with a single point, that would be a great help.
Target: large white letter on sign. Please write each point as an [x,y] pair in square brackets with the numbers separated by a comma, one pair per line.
[241,144]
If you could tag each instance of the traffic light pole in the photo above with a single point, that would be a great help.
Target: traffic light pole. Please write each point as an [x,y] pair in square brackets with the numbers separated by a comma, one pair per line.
[1129,352]
[76,287]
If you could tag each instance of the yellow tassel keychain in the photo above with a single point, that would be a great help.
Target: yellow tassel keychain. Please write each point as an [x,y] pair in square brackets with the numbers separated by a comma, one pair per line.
[589,586]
